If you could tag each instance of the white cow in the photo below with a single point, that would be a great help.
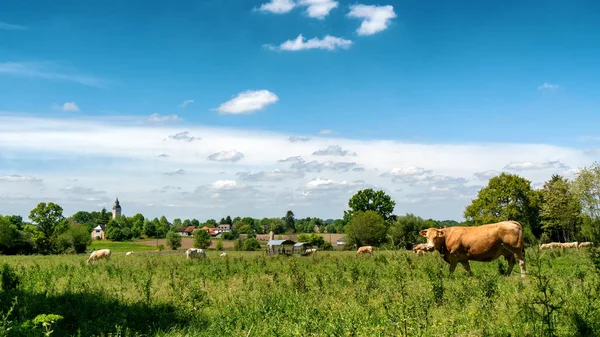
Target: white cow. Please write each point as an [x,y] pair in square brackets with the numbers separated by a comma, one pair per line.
[192,253]
[128,253]
[99,254]
[223,254]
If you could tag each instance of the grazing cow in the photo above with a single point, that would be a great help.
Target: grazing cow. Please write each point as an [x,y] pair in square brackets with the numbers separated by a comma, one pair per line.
[585,244]
[479,243]
[223,254]
[364,250]
[128,253]
[550,245]
[420,249]
[192,253]
[99,254]
[309,251]
[569,244]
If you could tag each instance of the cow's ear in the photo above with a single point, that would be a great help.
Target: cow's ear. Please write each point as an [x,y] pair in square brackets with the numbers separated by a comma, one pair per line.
[440,233]
[423,233]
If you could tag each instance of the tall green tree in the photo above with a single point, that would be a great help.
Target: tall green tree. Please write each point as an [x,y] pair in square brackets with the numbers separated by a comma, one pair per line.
[49,219]
[290,221]
[177,222]
[370,200]
[195,223]
[366,228]
[506,197]
[560,211]
[201,239]
[586,187]
[228,220]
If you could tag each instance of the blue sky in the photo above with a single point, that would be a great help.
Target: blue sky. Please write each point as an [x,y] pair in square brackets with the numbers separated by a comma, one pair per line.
[410,73]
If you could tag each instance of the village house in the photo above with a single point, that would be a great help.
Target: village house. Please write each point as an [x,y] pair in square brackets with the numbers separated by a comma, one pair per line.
[186,231]
[223,228]
[98,232]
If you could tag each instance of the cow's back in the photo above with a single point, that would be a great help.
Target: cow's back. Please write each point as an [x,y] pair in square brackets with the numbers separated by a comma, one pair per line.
[484,242]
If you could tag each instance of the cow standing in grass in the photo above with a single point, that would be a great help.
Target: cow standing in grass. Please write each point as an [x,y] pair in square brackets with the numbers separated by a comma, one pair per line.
[585,244]
[194,253]
[365,250]
[460,244]
[99,254]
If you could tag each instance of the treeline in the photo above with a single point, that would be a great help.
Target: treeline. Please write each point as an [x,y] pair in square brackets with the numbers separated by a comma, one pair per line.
[561,210]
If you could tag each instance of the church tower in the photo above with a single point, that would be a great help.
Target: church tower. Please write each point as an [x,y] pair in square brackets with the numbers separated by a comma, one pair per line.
[116,209]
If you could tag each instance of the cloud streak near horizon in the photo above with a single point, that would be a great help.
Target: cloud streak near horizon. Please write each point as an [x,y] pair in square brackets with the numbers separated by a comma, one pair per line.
[228,171]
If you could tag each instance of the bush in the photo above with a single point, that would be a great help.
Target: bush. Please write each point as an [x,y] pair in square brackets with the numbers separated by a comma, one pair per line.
[251,244]
[173,240]
[228,236]
[219,244]
[201,239]
[366,228]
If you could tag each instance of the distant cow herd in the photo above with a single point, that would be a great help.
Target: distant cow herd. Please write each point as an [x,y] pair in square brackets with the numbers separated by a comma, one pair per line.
[458,244]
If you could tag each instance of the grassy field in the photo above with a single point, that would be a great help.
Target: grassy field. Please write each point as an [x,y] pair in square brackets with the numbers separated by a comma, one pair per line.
[119,247]
[330,294]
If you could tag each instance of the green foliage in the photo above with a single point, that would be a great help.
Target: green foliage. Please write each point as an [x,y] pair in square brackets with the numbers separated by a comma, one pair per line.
[210,223]
[312,239]
[12,241]
[228,236]
[195,223]
[177,222]
[366,228]
[219,245]
[586,187]
[9,278]
[251,244]
[201,239]
[228,220]
[404,232]
[506,197]
[173,240]
[75,239]
[370,200]
[46,322]
[50,221]
[289,221]
[560,210]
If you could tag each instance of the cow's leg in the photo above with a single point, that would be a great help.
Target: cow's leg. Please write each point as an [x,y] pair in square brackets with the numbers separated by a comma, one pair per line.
[511,263]
[467,267]
[452,266]
[520,256]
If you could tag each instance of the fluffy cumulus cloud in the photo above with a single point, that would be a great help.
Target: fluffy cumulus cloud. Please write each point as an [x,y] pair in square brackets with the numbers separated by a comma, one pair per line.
[374,18]
[318,8]
[300,43]
[231,156]
[70,106]
[82,163]
[278,6]
[314,8]
[248,102]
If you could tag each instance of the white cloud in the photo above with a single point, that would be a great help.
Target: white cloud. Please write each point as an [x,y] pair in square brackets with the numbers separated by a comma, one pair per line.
[10,26]
[294,139]
[548,86]
[333,150]
[374,18]
[326,132]
[300,43]
[70,106]
[318,8]
[185,135]
[49,71]
[186,102]
[486,175]
[277,6]
[248,102]
[224,156]
[42,155]
[157,118]
[176,173]
[528,165]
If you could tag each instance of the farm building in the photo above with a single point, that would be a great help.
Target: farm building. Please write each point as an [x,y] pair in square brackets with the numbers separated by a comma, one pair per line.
[186,231]
[280,247]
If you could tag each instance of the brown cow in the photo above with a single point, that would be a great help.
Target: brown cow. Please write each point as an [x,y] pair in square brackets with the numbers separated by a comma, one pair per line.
[364,250]
[99,254]
[479,243]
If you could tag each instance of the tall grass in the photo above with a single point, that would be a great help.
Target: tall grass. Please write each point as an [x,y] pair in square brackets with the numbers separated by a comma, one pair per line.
[329,294]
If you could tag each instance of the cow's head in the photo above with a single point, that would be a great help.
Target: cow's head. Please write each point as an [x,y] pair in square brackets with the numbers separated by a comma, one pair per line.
[435,238]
